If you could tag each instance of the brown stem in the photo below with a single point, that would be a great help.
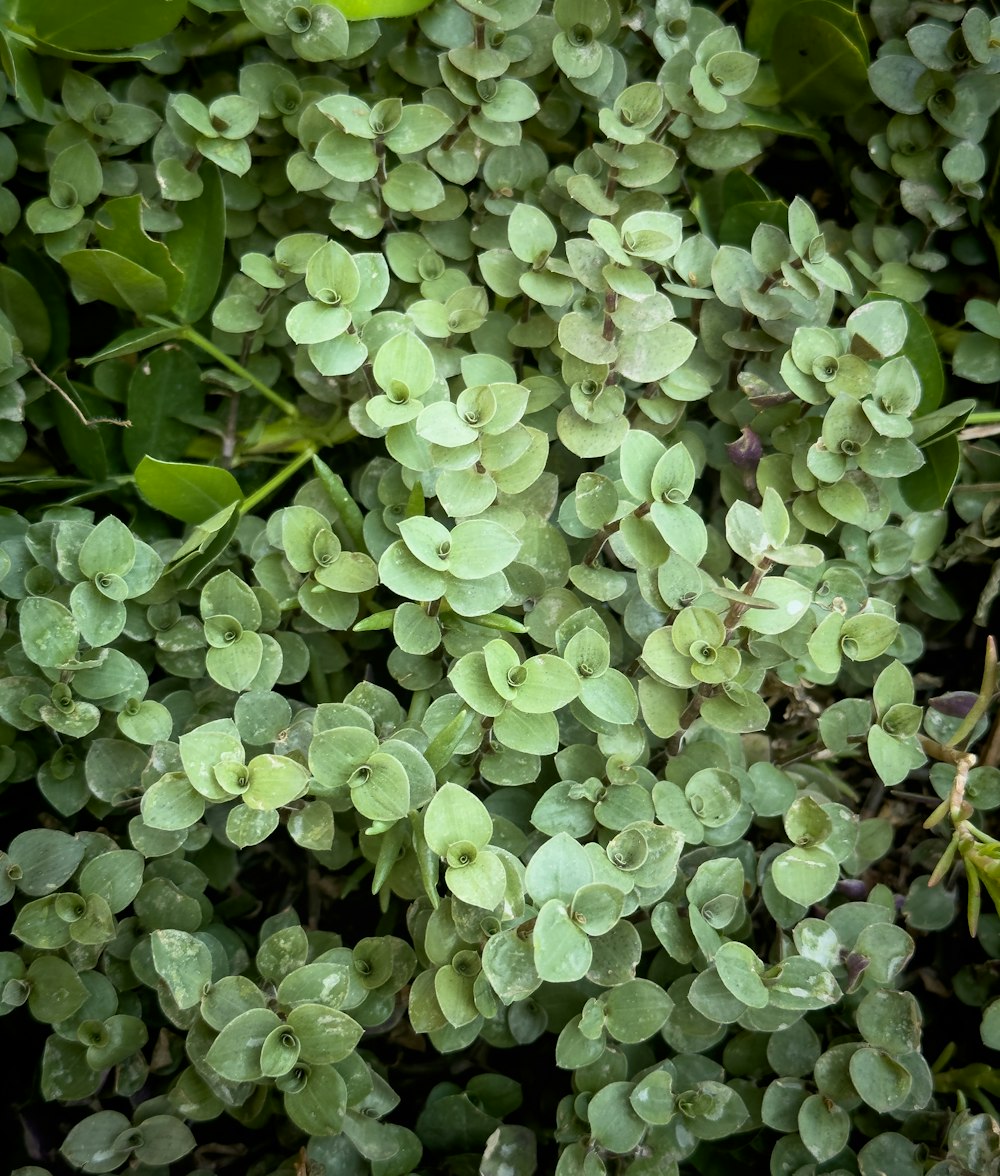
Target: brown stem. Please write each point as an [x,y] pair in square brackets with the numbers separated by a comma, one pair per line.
[90,422]
[739,607]
[664,125]
[605,533]
[610,305]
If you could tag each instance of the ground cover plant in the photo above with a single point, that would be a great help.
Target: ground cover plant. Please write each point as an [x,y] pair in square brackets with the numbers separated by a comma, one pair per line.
[497,562]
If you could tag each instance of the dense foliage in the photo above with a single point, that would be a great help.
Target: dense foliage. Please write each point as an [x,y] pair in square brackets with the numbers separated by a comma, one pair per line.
[495,671]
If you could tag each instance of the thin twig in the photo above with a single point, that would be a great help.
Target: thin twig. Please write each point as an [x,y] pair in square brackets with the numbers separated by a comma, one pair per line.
[90,422]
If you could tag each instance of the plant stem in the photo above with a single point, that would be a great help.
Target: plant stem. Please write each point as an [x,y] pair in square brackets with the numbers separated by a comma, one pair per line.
[279,478]
[227,361]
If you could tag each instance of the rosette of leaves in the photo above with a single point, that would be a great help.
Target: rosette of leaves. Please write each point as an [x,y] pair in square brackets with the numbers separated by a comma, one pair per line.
[238,656]
[74,184]
[105,1140]
[695,651]
[327,579]
[578,899]
[478,442]
[822,836]
[605,693]
[312,30]
[519,699]
[458,828]
[40,863]
[107,566]
[692,650]
[301,1041]
[623,324]
[463,566]
[663,529]
[715,69]
[382,780]
[861,637]
[893,743]
[404,371]
[355,147]
[213,770]
[344,289]
[218,131]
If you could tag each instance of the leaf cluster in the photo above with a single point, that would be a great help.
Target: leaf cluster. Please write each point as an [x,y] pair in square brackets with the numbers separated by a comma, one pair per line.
[477,538]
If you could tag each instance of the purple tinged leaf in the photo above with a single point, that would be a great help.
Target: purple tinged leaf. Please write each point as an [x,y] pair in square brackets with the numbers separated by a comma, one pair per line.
[956,703]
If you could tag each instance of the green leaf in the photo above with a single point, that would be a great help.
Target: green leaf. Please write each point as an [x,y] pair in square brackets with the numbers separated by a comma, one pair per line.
[115,876]
[455,815]
[20,66]
[740,971]
[712,1110]
[534,734]
[197,247]
[562,951]
[20,302]
[824,1127]
[98,1143]
[404,366]
[596,907]
[990,1027]
[651,355]
[867,636]
[531,234]
[819,58]
[104,24]
[881,1080]
[164,389]
[318,1106]
[49,634]
[930,487]
[805,874]
[56,992]
[890,1020]
[614,1123]
[325,1034]
[380,790]
[191,493]
[162,1139]
[44,860]
[171,803]
[273,781]
[652,1098]
[478,879]
[104,276]
[635,1010]
[479,548]
[184,964]
[558,869]
[799,983]
[235,1053]
[39,925]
